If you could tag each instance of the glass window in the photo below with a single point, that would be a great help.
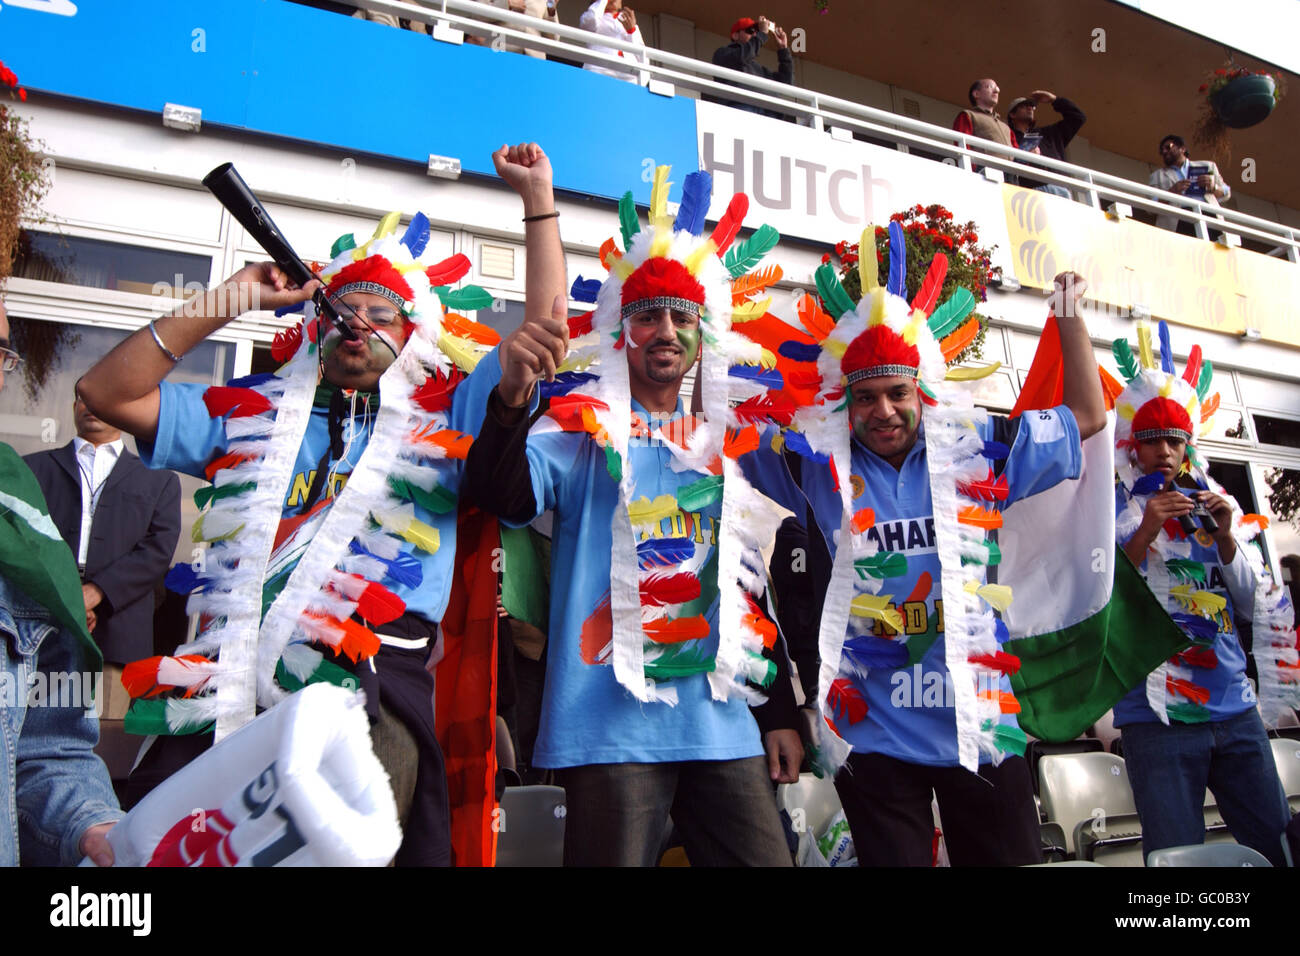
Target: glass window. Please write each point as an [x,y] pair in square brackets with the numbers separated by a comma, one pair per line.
[36,403]
[1282,508]
[1229,423]
[99,264]
[1277,431]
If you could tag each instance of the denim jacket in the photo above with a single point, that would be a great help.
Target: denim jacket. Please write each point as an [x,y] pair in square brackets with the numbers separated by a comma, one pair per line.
[55,787]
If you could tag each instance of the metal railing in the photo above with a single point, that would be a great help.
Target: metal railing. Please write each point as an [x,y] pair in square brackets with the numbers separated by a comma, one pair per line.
[663,73]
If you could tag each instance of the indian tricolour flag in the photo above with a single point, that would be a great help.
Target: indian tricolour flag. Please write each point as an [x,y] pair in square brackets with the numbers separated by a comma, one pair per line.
[1083,622]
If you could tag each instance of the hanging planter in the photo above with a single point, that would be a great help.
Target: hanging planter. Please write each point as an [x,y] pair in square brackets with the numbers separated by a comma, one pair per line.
[1235,98]
[1245,101]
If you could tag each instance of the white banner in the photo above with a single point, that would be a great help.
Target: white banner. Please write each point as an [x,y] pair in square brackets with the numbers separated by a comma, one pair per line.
[808,185]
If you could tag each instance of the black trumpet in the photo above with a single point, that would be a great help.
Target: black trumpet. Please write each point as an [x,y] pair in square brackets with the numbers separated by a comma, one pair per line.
[231,191]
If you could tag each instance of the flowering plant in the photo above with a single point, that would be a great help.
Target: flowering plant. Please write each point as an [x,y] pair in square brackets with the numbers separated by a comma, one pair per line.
[928,230]
[1223,76]
[22,177]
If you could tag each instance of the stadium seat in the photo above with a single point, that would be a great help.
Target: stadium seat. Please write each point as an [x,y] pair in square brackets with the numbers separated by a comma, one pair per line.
[1286,753]
[532,827]
[1208,854]
[1037,749]
[1089,796]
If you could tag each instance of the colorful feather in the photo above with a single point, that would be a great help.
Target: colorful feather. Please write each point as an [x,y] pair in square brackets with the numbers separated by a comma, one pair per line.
[207,493]
[862,520]
[1206,603]
[646,511]
[1203,657]
[699,494]
[799,352]
[1145,355]
[659,198]
[897,283]
[997,596]
[584,290]
[770,406]
[984,552]
[986,489]
[374,602]
[236,402]
[1149,484]
[832,293]
[768,378]
[564,383]
[1210,406]
[580,325]
[868,650]
[416,236]
[868,266]
[1006,702]
[883,564]
[1186,570]
[442,442]
[798,443]
[435,394]
[628,223]
[846,700]
[1188,713]
[664,552]
[998,661]
[1124,359]
[286,343]
[1009,738]
[951,345]
[156,675]
[878,608]
[663,588]
[1166,349]
[747,254]
[449,270]
[1203,384]
[1193,692]
[744,286]
[927,296]
[977,517]
[813,318]
[729,225]
[1192,371]
[477,332]
[183,579]
[740,441]
[438,500]
[949,315]
[995,450]
[664,631]
[697,192]
[468,298]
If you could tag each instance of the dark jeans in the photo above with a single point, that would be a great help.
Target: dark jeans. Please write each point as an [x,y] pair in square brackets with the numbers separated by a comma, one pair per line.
[989,819]
[725,811]
[1170,767]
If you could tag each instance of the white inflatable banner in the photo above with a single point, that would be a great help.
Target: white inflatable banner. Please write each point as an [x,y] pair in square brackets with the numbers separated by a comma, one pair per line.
[298,786]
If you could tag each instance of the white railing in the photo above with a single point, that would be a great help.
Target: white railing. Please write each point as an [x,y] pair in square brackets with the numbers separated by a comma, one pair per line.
[664,72]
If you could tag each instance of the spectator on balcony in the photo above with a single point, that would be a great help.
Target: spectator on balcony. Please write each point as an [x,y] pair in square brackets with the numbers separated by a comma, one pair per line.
[982,119]
[1049,141]
[748,37]
[1199,180]
[392,20]
[541,9]
[610,18]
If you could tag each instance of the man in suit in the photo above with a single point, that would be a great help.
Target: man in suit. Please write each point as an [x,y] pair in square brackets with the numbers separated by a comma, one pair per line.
[121,520]
[1174,176]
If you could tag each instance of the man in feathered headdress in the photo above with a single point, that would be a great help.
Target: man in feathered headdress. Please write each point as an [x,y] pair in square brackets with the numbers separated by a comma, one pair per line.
[331,517]
[912,677]
[655,632]
[1194,722]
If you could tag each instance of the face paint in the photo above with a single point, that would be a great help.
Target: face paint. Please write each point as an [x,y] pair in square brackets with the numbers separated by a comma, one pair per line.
[689,339]
[909,419]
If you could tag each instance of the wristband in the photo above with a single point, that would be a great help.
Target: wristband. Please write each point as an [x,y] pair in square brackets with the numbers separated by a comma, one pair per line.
[545,215]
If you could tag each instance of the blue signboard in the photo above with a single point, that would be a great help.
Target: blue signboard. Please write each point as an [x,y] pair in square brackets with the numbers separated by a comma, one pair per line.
[282,69]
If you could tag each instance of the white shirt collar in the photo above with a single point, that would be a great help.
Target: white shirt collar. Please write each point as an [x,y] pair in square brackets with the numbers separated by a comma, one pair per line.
[113,448]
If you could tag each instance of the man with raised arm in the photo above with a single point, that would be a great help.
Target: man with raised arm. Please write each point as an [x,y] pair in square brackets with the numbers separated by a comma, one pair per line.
[655,634]
[331,518]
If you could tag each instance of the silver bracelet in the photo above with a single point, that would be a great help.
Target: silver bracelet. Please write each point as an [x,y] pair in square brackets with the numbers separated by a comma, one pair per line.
[165,350]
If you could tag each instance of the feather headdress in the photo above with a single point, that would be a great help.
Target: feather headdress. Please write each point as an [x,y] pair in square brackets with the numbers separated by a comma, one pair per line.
[675,262]
[885,335]
[270,589]
[1158,403]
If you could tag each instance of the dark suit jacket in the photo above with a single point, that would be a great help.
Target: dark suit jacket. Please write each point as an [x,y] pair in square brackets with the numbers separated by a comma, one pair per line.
[137,523]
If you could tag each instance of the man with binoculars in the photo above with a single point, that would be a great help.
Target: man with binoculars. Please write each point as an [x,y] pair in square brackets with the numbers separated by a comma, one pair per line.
[1194,723]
